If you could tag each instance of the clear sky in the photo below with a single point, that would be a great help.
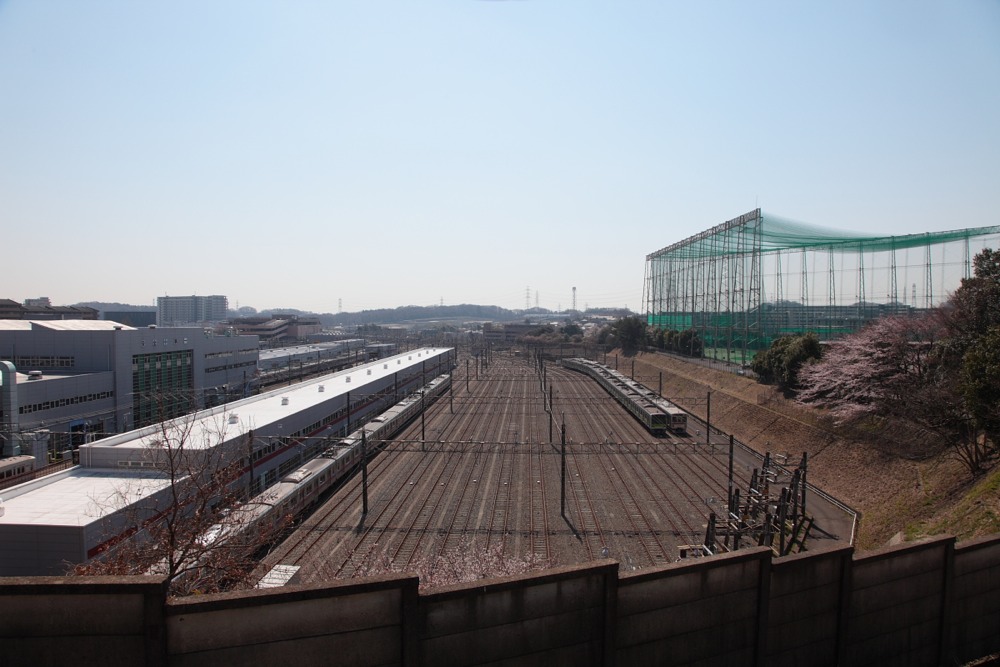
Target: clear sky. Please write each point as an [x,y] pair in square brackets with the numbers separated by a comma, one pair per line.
[386,153]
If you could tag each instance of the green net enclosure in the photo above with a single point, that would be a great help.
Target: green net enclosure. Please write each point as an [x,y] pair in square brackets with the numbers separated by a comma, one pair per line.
[747,281]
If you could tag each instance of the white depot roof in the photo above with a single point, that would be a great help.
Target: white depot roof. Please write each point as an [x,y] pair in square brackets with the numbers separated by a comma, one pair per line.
[62,325]
[82,325]
[83,495]
[264,413]
[282,352]
[78,497]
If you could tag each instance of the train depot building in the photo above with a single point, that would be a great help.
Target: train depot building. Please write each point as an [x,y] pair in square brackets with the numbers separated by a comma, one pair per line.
[69,517]
[81,379]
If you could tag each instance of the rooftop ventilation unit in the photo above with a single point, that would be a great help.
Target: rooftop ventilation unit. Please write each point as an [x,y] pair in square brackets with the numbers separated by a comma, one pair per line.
[284,400]
[322,389]
[234,418]
[34,375]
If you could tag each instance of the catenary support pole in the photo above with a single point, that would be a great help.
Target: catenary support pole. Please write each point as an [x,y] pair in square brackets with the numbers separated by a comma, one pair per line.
[562,485]
[708,419]
[730,496]
[364,474]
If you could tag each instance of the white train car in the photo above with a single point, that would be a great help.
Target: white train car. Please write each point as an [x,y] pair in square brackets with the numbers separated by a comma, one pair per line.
[654,412]
[15,466]
[301,488]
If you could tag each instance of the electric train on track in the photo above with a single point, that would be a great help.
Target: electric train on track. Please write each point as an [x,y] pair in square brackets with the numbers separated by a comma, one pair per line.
[657,414]
[305,485]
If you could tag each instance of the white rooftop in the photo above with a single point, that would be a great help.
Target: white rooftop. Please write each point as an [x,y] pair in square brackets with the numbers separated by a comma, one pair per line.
[265,412]
[281,352]
[82,495]
[62,325]
[77,497]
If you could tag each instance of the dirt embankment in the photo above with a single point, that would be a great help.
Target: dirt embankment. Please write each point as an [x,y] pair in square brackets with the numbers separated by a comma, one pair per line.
[895,496]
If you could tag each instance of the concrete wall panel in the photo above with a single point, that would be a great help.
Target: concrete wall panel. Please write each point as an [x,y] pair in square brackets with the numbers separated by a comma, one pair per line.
[713,645]
[684,582]
[899,593]
[975,616]
[900,562]
[792,607]
[721,611]
[75,615]
[94,649]
[511,641]
[106,621]
[914,645]
[378,646]
[446,614]
[924,604]
[203,630]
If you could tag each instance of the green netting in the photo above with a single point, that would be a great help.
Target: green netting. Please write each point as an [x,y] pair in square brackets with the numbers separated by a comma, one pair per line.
[677,321]
[756,277]
[772,233]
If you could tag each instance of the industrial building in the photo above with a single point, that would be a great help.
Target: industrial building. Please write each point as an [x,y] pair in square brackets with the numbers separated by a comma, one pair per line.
[173,311]
[69,517]
[42,309]
[278,329]
[80,379]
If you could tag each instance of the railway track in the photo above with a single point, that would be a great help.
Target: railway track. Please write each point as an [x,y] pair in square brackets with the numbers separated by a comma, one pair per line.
[483,479]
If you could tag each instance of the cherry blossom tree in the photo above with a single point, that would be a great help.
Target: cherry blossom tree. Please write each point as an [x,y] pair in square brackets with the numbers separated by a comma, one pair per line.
[872,371]
[940,371]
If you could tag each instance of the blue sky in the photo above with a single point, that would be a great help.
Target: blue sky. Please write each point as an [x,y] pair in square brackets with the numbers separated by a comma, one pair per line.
[293,154]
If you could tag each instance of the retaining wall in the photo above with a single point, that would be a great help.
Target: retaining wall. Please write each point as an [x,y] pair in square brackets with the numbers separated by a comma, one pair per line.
[932,602]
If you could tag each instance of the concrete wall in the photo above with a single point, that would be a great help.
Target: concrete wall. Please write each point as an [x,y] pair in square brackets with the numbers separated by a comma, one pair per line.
[363,623]
[806,610]
[82,621]
[556,618]
[931,602]
[974,619]
[705,611]
[897,605]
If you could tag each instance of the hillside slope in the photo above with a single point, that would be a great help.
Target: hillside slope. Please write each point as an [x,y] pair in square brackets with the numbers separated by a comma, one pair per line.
[897,498]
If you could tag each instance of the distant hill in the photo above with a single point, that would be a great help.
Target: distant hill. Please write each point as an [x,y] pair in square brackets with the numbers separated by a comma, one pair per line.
[399,315]
[113,306]
[409,314]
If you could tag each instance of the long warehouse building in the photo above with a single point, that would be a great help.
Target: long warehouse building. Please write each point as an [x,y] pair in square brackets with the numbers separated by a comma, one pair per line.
[69,517]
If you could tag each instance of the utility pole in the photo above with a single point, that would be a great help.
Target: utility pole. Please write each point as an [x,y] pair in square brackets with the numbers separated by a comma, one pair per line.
[562,485]
[730,495]
[708,419]
[550,414]
[364,473]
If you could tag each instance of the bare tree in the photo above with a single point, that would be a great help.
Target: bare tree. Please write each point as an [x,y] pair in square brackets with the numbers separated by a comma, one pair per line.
[190,519]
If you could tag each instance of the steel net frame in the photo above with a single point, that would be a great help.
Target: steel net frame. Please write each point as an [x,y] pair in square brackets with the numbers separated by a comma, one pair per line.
[747,281]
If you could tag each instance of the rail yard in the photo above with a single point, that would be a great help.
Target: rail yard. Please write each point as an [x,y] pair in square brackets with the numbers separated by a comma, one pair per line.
[483,470]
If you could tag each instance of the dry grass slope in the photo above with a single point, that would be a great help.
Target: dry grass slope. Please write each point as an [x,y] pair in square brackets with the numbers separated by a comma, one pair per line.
[899,498]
